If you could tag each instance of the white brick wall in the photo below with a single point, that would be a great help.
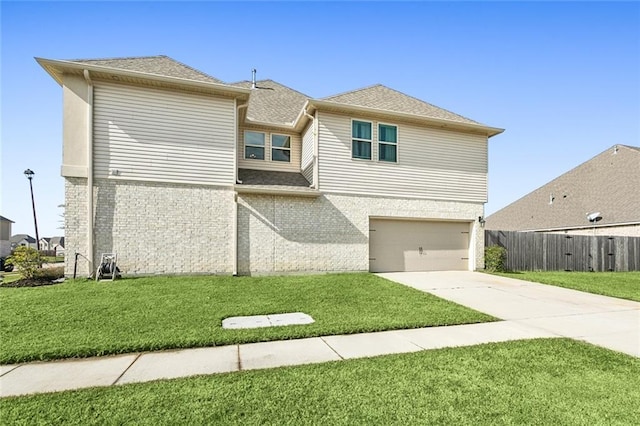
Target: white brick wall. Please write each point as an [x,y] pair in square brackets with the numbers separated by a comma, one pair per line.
[75,225]
[158,228]
[154,228]
[329,233]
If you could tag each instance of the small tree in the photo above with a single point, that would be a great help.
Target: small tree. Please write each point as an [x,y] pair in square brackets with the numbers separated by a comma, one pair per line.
[27,259]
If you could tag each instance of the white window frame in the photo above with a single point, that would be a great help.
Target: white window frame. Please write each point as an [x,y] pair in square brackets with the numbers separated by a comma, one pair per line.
[361,140]
[263,146]
[387,143]
[280,147]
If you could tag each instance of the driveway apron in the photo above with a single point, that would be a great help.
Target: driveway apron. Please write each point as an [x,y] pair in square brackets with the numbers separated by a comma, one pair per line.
[603,321]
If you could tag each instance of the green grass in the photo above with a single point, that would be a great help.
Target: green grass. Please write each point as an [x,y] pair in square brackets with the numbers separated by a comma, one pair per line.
[85,318]
[9,277]
[544,382]
[625,285]
[53,259]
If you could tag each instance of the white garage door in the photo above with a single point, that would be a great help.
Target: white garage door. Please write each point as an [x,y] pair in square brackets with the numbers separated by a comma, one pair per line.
[410,245]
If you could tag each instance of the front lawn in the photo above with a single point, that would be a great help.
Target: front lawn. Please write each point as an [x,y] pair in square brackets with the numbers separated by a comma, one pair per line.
[542,382]
[625,285]
[84,318]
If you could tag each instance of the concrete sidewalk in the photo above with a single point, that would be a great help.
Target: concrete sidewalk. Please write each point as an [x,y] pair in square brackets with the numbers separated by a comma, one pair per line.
[531,311]
[40,377]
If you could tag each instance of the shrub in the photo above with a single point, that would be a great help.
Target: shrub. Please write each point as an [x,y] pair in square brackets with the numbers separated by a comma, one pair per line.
[50,274]
[27,260]
[495,258]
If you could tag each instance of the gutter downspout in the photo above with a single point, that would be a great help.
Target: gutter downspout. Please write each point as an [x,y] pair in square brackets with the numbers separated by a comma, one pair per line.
[315,148]
[90,254]
[234,238]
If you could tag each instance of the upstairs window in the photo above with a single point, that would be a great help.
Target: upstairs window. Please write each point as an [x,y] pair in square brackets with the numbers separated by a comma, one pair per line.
[387,143]
[254,145]
[281,148]
[361,140]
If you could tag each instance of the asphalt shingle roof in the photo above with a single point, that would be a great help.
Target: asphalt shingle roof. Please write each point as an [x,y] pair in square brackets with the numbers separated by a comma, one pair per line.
[19,237]
[263,177]
[159,65]
[608,183]
[272,102]
[382,97]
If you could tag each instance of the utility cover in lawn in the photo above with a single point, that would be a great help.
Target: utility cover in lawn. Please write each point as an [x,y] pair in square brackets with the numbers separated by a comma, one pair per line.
[272,320]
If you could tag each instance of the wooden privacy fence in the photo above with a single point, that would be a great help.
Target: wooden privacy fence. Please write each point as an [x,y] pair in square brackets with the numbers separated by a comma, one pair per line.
[536,251]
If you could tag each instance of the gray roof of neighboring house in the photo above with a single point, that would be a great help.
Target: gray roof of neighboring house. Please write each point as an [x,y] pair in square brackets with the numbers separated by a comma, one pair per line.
[608,183]
[5,219]
[159,65]
[384,98]
[272,102]
[263,177]
[19,237]
[57,240]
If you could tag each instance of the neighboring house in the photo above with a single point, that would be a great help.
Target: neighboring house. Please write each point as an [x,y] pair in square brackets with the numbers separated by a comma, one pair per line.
[53,244]
[179,172]
[5,236]
[605,187]
[44,243]
[22,240]
[57,244]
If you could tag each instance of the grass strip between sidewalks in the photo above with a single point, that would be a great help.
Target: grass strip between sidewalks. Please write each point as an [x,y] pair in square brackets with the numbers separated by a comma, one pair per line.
[624,285]
[85,318]
[545,381]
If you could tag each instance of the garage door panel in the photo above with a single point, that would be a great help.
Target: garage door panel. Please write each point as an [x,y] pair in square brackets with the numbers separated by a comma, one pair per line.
[397,245]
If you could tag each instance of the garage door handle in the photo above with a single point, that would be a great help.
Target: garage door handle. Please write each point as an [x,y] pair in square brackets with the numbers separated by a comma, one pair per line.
[420,250]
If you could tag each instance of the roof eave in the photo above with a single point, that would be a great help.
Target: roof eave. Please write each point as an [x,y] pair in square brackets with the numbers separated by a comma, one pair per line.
[263,190]
[436,122]
[55,68]
[590,226]
[284,126]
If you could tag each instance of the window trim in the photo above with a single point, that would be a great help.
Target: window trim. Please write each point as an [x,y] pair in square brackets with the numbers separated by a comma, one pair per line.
[388,143]
[271,135]
[263,146]
[370,141]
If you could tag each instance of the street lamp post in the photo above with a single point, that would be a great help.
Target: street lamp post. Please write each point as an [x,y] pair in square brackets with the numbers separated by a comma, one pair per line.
[29,174]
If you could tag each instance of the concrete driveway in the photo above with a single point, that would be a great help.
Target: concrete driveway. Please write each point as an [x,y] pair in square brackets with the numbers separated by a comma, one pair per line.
[603,321]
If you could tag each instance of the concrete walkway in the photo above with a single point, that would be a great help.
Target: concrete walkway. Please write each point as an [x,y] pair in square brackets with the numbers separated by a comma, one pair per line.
[531,311]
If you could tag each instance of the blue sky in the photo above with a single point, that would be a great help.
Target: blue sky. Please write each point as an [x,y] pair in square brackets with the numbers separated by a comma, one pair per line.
[563,79]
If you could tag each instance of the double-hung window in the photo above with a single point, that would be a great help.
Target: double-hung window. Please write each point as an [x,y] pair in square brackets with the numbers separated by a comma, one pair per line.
[361,140]
[387,143]
[254,145]
[280,148]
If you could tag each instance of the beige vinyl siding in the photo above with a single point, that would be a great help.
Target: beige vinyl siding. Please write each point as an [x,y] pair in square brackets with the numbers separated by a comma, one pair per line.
[432,163]
[306,162]
[267,164]
[156,135]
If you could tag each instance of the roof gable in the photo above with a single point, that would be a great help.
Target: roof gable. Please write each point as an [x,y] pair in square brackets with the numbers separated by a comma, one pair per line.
[159,65]
[608,183]
[384,98]
[273,103]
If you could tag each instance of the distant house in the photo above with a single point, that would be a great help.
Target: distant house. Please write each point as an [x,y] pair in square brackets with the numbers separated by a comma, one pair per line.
[57,244]
[599,197]
[44,243]
[22,240]
[254,177]
[5,236]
